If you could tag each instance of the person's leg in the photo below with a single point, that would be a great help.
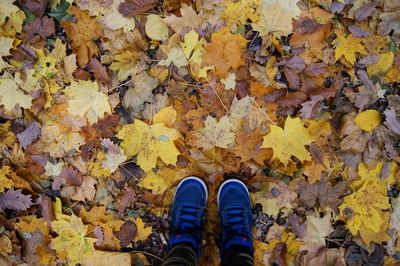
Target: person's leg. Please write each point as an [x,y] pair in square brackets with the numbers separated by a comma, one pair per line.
[186,226]
[236,220]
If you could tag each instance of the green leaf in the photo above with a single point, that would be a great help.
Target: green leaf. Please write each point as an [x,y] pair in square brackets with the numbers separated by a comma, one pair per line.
[29,17]
[60,12]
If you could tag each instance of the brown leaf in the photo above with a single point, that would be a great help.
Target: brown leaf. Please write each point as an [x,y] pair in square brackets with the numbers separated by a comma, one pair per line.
[279,255]
[82,33]
[305,25]
[71,175]
[131,8]
[292,99]
[36,7]
[38,30]
[128,196]
[321,194]
[29,135]
[126,234]
[99,71]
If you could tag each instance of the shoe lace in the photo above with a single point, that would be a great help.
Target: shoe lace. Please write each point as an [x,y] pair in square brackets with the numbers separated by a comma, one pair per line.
[188,218]
[236,222]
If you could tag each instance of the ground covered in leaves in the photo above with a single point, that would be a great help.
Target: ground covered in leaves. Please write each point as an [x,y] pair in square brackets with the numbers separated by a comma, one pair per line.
[105,105]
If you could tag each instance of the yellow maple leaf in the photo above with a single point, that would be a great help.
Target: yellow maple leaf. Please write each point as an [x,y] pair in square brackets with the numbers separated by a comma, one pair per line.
[149,142]
[348,47]
[82,33]
[215,134]
[174,52]
[143,232]
[11,96]
[30,224]
[363,209]
[289,141]
[236,13]
[273,16]
[127,64]
[87,101]
[5,46]
[383,65]
[72,242]
[167,116]
[368,120]
[225,51]
[291,242]
[46,65]
[5,182]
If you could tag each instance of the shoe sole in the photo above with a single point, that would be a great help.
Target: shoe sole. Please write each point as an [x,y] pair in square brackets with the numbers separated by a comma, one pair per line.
[193,178]
[231,181]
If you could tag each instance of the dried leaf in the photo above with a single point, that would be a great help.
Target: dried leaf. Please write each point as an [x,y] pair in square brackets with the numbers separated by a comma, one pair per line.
[130,8]
[15,200]
[29,135]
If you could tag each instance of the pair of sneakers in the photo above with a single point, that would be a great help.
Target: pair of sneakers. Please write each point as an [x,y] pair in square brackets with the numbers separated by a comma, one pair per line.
[188,210]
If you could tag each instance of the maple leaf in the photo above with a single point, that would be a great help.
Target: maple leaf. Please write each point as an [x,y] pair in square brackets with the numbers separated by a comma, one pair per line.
[189,19]
[174,52]
[15,200]
[39,30]
[127,64]
[82,34]
[289,141]
[275,17]
[11,96]
[363,209]
[390,22]
[348,47]
[72,240]
[321,194]
[5,45]
[87,101]
[149,142]
[237,13]
[289,240]
[5,182]
[214,134]
[143,232]
[225,51]
[239,110]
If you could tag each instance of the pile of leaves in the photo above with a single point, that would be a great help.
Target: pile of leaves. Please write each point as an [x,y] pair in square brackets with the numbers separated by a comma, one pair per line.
[105,105]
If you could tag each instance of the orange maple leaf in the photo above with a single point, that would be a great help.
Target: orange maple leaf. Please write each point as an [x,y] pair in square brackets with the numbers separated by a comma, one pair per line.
[83,33]
[225,51]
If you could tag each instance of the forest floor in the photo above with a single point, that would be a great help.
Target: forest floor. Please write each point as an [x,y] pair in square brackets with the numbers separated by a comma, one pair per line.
[105,105]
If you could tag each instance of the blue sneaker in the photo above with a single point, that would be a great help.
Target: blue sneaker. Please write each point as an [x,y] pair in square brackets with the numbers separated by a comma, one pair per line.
[188,208]
[235,215]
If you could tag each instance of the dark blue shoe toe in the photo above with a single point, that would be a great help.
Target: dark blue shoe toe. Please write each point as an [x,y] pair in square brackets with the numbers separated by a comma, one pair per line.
[188,213]
[235,215]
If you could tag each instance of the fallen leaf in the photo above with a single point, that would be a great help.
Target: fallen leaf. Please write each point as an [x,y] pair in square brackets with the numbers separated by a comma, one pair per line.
[130,8]
[82,33]
[224,52]
[143,232]
[214,134]
[15,200]
[29,135]
[156,29]
[87,101]
[368,120]
[289,141]
[348,47]
[149,143]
